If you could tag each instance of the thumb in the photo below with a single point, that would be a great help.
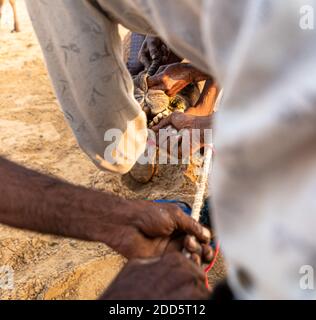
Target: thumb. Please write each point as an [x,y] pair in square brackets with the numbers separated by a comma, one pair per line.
[190,226]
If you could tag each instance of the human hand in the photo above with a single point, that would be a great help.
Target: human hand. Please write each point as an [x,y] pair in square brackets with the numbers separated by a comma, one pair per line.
[193,131]
[154,53]
[175,77]
[172,277]
[179,121]
[171,79]
[143,229]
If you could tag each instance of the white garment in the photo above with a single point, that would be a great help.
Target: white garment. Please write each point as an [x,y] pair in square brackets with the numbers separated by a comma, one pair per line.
[265,174]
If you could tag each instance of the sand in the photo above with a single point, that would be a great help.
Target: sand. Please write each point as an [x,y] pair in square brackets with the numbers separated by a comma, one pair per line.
[34,133]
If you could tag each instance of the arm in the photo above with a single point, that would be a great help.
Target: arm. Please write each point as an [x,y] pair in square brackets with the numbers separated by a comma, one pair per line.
[175,77]
[136,229]
[40,203]
[206,103]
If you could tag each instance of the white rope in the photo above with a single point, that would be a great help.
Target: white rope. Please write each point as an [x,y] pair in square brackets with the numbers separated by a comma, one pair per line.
[201,186]
[202,183]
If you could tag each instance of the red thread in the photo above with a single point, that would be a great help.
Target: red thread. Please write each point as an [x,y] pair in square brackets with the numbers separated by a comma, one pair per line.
[211,265]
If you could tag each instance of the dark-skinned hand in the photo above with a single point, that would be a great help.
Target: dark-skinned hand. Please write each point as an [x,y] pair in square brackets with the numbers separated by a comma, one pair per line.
[148,230]
[154,53]
[175,77]
[173,277]
[184,125]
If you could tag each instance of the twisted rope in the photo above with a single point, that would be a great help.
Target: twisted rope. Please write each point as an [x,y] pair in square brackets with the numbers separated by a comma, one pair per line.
[199,196]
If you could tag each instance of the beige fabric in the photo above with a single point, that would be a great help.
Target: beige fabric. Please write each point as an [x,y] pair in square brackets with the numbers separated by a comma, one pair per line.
[264,174]
[82,48]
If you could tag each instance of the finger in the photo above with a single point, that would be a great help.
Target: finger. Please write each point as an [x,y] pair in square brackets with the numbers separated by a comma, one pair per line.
[192,245]
[179,262]
[182,274]
[190,226]
[207,253]
[190,274]
[163,123]
[196,259]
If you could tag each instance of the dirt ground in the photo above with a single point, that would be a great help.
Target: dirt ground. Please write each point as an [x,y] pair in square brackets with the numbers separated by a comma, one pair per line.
[33,132]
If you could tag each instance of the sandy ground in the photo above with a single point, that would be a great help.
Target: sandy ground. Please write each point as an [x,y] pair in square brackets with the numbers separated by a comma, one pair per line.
[33,132]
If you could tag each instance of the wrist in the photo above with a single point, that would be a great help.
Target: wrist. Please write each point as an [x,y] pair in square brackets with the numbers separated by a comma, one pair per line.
[102,213]
[112,214]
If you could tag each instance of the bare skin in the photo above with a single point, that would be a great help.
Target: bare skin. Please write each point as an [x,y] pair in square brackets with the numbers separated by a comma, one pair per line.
[176,77]
[206,103]
[183,121]
[172,75]
[136,229]
[173,277]
[155,53]
[15,16]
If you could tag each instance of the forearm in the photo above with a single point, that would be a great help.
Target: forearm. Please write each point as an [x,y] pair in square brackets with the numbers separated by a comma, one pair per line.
[36,202]
[175,77]
[194,74]
[206,103]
